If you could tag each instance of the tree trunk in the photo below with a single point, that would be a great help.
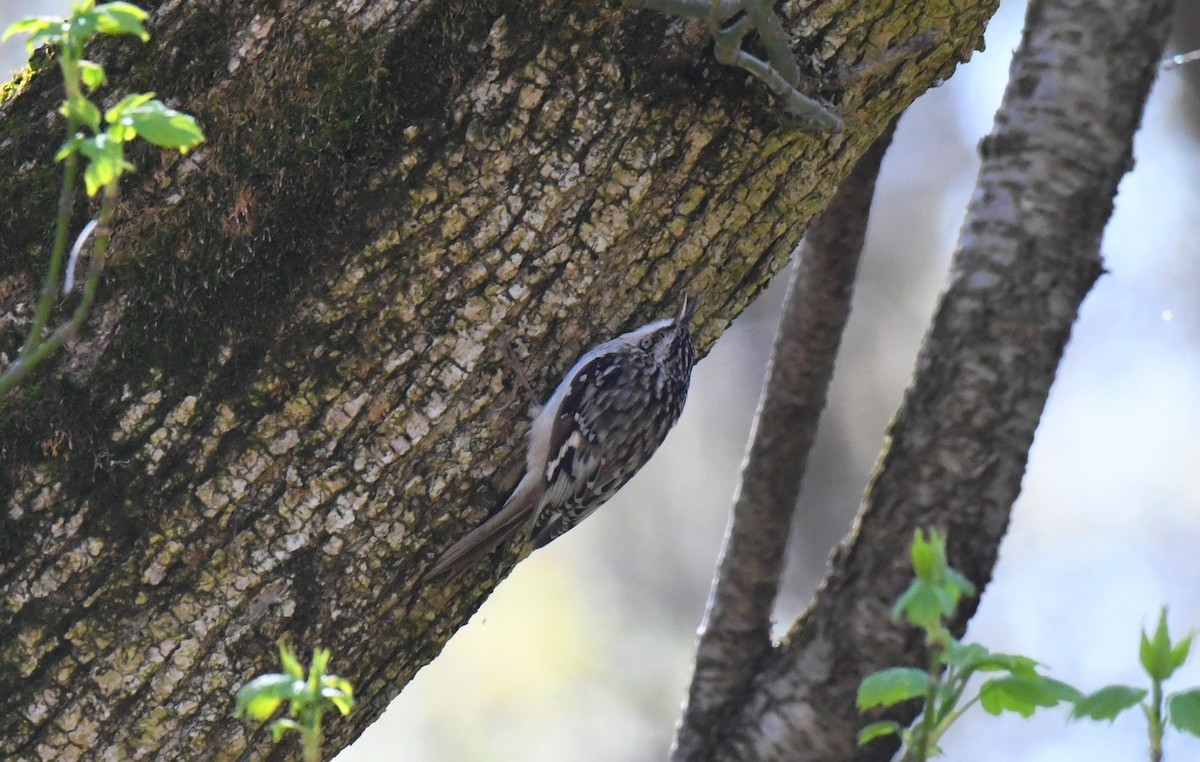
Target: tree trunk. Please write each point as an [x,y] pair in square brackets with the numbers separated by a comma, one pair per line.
[292,394]
[957,448]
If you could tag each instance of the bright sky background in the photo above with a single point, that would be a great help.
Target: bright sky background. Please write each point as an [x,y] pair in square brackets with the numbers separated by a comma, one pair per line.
[584,652]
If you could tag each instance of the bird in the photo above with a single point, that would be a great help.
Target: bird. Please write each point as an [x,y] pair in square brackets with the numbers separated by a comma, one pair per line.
[608,415]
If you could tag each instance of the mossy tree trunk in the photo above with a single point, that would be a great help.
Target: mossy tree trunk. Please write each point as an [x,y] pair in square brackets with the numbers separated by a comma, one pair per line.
[291,394]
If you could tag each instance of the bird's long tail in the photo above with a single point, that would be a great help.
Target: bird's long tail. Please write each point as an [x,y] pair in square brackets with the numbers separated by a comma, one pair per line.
[516,513]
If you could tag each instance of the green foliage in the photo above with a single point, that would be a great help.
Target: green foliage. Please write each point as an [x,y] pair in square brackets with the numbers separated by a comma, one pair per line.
[931,600]
[100,138]
[935,592]
[308,697]
[877,730]
[928,604]
[1160,659]
[1184,708]
[135,115]
[891,686]
[1024,693]
[1108,702]
[86,20]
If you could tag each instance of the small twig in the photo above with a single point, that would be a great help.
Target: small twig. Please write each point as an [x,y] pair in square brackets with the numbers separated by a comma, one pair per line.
[66,199]
[797,103]
[65,332]
[776,41]
[1181,59]
[136,115]
[927,721]
[781,73]
[69,278]
[68,63]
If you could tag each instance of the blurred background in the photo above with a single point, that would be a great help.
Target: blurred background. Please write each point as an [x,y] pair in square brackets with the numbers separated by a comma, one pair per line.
[584,652]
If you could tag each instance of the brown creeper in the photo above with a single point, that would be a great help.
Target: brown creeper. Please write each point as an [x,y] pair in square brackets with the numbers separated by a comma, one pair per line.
[606,418]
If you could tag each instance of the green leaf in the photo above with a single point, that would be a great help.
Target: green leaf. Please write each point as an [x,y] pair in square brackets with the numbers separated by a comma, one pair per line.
[92,74]
[291,665]
[877,730]
[283,725]
[121,18]
[922,604]
[121,132]
[140,114]
[929,554]
[40,27]
[1155,652]
[1179,653]
[320,661]
[78,29]
[935,593]
[888,687]
[1146,654]
[1184,708]
[974,657]
[259,698]
[170,129]
[958,582]
[1107,703]
[69,147]
[339,698]
[162,126]
[106,161]
[965,655]
[1060,690]
[338,683]
[1023,694]
[131,101]
[1014,663]
[82,111]
[948,595]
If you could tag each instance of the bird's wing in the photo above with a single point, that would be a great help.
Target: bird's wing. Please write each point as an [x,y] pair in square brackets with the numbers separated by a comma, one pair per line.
[582,471]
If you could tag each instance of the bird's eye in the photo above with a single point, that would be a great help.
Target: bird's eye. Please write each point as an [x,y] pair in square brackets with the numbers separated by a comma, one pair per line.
[646,343]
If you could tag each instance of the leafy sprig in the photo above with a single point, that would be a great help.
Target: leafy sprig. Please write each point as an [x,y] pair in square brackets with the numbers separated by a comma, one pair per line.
[308,697]
[100,137]
[928,604]
[1160,658]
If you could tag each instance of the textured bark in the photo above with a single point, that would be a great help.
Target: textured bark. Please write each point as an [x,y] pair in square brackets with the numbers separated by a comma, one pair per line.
[291,395]
[736,635]
[957,449]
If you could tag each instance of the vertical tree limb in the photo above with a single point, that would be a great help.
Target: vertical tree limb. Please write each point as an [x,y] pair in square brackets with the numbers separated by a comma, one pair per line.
[956,453]
[737,627]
